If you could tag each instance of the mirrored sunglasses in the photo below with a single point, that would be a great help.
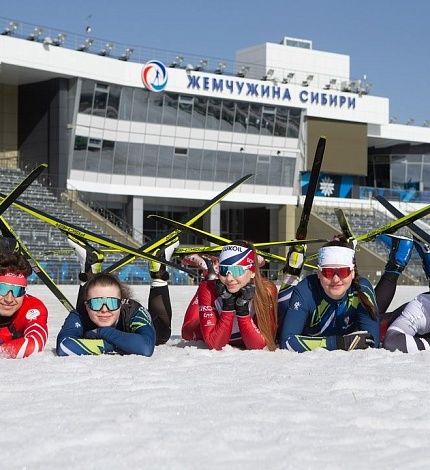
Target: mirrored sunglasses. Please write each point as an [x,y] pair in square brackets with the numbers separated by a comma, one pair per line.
[342,272]
[235,271]
[17,291]
[96,303]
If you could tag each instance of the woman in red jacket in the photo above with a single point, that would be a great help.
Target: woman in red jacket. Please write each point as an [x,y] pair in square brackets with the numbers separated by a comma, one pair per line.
[239,308]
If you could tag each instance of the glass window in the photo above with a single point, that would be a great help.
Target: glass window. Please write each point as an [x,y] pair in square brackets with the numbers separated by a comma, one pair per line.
[125,103]
[398,172]
[288,171]
[208,165]
[150,157]
[140,105]
[113,102]
[120,158]
[165,157]
[170,112]
[236,166]
[185,110]
[227,116]
[87,93]
[263,167]
[222,166]
[293,123]
[134,160]
[426,177]
[413,172]
[155,107]
[214,114]
[275,171]
[281,121]
[194,163]
[106,160]
[250,165]
[254,121]
[179,167]
[241,118]
[93,156]
[100,99]
[268,120]
[80,152]
[199,112]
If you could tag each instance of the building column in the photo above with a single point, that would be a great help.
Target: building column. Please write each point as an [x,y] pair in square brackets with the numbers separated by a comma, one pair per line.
[137,217]
[215,220]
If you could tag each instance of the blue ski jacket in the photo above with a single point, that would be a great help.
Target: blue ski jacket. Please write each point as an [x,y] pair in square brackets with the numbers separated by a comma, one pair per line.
[311,319]
[133,334]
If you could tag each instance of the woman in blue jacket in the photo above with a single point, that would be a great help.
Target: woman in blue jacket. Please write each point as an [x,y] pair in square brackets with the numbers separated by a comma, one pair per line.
[333,309]
[107,320]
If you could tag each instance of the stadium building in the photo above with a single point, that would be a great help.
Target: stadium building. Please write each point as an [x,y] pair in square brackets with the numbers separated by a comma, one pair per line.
[143,131]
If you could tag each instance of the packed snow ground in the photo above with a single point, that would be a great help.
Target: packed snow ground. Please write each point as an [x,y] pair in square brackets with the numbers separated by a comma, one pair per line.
[190,408]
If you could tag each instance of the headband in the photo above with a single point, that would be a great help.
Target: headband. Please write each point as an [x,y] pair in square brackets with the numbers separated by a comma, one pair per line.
[14,278]
[336,255]
[237,255]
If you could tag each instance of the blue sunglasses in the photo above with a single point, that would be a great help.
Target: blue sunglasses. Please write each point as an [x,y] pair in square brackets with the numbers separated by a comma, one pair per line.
[234,270]
[17,291]
[96,303]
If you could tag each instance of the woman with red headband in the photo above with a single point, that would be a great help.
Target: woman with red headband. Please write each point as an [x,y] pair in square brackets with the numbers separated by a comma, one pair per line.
[239,308]
[23,318]
[333,309]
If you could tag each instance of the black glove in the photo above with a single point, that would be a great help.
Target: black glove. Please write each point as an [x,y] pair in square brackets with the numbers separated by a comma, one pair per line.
[356,340]
[295,260]
[243,299]
[228,299]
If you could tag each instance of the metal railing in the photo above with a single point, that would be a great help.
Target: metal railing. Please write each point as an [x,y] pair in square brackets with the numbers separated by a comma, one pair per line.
[87,43]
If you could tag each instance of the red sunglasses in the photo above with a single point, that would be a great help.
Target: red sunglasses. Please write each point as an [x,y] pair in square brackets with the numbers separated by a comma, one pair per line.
[342,272]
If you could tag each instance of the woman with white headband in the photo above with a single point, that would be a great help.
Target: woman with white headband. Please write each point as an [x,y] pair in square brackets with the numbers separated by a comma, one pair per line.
[332,309]
[23,318]
[239,308]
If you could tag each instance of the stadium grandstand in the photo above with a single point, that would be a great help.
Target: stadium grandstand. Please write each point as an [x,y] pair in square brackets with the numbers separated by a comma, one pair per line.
[129,131]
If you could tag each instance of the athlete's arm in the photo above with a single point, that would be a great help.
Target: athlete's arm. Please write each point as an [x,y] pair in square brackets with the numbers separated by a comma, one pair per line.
[32,334]
[295,319]
[141,339]
[71,341]
[216,329]
[191,325]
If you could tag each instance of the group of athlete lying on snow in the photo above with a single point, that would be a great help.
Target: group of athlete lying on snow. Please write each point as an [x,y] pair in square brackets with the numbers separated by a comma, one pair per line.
[334,308]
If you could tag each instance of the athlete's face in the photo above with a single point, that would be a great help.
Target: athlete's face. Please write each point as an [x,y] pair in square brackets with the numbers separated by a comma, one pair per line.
[103,317]
[335,285]
[234,284]
[10,304]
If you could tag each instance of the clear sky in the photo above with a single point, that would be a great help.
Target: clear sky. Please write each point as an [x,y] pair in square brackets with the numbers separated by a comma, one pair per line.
[388,41]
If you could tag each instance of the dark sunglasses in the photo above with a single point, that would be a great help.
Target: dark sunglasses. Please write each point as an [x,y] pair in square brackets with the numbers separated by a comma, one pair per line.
[17,291]
[96,303]
[342,272]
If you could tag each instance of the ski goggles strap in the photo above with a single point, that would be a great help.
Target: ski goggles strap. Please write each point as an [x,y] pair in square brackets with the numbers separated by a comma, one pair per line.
[236,270]
[17,291]
[96,303]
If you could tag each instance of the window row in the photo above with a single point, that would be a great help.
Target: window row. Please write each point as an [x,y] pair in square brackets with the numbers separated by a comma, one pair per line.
[123,158]
[140,105]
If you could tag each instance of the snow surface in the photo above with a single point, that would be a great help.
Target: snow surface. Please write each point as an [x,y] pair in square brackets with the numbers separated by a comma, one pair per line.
[190,408]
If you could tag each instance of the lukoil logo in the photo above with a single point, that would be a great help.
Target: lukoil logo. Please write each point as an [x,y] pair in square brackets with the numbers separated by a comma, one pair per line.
[154,75]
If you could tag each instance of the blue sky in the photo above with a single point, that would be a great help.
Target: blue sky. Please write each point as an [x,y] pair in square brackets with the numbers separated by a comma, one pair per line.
[387,41]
